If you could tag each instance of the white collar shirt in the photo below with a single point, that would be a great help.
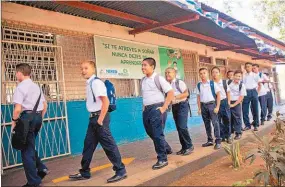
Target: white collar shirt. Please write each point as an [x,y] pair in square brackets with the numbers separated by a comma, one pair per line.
[205,92]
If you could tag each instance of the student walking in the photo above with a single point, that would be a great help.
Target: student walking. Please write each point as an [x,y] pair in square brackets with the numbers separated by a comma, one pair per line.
[154,88]
[98,131]
[262,92]
[269,97]
[237,93]
[224,114]
[208,100]
[180,110]
[252,84]
[28,95]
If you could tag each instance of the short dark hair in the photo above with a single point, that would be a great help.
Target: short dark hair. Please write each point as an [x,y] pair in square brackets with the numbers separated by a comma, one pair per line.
[150,61]
[174,62]
[215,67]
[230,71]
[248,63]
[266,74]
[256,65]
[24,68]
[201,69]
[237,72]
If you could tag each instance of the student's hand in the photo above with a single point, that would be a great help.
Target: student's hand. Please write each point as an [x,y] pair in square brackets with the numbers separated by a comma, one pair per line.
[232,105]
[162,109]
[100,122]
[199,111]
[216,110]
[13,126]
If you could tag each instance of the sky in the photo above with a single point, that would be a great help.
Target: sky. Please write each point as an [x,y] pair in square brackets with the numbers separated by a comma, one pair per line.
[242,11]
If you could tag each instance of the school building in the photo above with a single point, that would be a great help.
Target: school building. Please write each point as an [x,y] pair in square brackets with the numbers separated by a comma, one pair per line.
[55,36]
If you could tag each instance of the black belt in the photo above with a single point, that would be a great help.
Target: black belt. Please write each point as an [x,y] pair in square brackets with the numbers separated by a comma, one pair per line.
[250,89]
[180,102]
[152,105]
[209,103]
[30,112]
[94,114]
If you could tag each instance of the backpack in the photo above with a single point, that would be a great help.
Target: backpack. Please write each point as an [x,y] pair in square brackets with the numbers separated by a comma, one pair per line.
[111,93]
[157,83]
[240,84]
[212,88]
[179,89]
[260,74]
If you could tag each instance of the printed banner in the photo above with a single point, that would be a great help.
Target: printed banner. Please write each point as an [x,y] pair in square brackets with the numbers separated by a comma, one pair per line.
[122,59]
[171,58]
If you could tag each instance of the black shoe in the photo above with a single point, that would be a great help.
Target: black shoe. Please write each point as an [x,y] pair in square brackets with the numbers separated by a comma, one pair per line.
[181,152]
[159,165]
[223,140]
[246,129]
[31,185]
[255,129]
[207,144]
[169,152]
[252,124]
[262,123]
[78,176]
[217,146]
[269,118]
[117,178]
[43,173]
[188,151]
[237,137]
[229,140]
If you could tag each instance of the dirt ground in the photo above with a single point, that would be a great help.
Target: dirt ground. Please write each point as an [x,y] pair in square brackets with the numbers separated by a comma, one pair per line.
[221,173]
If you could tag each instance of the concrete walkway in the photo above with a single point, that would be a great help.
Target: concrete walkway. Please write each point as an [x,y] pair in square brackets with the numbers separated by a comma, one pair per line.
[138,156]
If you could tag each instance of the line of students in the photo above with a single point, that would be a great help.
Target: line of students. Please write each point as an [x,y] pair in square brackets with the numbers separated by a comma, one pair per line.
[219,102]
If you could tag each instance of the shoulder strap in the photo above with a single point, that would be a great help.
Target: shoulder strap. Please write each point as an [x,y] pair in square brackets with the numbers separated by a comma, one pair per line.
[230,81]
[260,74]
[199,86]
[37,103]
[177,85]
[94,98]
[157,83]
[240,86]
[213,89]
[225,85]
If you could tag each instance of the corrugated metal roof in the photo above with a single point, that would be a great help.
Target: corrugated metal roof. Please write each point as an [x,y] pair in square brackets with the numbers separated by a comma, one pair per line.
[155,10]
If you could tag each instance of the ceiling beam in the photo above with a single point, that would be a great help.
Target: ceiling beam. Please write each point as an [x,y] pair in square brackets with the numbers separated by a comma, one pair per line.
[233,48]
[175,21]
[264,58]
[127,16]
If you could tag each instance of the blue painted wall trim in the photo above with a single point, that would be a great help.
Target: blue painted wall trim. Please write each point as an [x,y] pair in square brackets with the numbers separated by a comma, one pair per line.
[126,122]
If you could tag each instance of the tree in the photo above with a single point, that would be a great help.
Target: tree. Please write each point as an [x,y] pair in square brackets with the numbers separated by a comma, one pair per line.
[273,12]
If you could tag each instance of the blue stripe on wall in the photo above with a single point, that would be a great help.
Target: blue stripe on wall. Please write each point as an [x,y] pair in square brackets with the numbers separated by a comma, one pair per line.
[126,122]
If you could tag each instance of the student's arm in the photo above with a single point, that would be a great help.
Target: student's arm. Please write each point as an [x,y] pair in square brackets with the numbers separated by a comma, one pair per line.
[199,104]
[104,109]
[216,110]
[184,90]
[238,101]
[45,109]
[166,87]
[16,114]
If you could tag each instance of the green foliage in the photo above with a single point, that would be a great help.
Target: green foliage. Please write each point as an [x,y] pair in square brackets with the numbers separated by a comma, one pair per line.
[234,151]
[243,183]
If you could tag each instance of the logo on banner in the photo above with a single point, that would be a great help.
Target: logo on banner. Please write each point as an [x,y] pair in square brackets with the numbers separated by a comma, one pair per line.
[114,72]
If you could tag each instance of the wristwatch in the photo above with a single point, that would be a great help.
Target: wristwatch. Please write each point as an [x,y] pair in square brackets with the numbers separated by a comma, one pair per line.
[15,119]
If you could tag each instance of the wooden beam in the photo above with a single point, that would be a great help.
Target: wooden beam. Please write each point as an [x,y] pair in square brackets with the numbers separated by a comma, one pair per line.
[126,16]
[233,48]
[175,21]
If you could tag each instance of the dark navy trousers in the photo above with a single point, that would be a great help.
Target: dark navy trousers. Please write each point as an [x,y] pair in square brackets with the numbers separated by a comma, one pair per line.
[209,116]
[263,107]
[164,118]
[100,134]
[250,99]
[153,124]
[31,162]
[180,114]
[236,118]
[269,100]
[225,119]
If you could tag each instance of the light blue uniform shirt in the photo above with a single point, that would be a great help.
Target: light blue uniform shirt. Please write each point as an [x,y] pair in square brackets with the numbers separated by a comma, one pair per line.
[27,93]
[99,89]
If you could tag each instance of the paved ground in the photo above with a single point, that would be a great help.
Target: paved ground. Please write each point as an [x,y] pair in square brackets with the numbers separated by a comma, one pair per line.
[139,158]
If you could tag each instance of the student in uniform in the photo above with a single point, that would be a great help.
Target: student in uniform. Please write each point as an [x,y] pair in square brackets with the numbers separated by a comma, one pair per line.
[180,110]
[25,97]
[208,100]
[269,98]
[155,105]
[98,129]
[262,92]
[237,93]
[224,112]
[252,84]
[230,75]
